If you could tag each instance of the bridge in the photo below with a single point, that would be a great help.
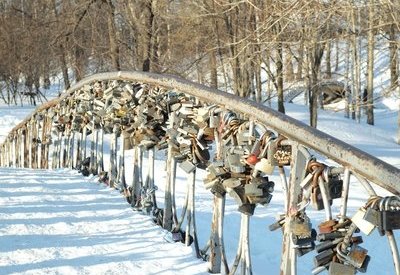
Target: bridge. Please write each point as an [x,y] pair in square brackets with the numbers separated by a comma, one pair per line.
[238,143]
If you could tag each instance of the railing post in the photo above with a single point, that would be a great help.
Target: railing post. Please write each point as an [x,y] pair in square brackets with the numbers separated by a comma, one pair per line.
[100,149]
[167,218]
[297,173]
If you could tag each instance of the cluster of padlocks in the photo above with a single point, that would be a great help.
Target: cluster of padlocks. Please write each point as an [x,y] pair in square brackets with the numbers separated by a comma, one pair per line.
[238,153]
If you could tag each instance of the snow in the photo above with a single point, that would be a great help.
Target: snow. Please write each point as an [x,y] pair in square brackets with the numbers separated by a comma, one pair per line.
[77,226]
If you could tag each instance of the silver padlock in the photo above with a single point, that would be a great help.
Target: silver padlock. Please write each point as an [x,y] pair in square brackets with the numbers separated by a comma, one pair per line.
[214,121]
[231,182]
[236,195]
[359,220]
[251,189]
[234,164]
[187,166]
[264,166]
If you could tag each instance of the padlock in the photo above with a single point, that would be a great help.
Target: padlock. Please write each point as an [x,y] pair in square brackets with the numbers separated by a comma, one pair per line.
[247,209]
[218,189]
[316,198]
[365,226]
[256,148]
[334,185]
[390,220]
[330,236]
[264,166]
[324,257]
[328,244]
[327,226]
[243,138]
[303,250]
[278,224]
[279,155]
[202,115]
[357,256]
[341,269]
[187,166]
[231,182]
[214,121]
[237,195]
[301,229]
[234,164]
[252,189]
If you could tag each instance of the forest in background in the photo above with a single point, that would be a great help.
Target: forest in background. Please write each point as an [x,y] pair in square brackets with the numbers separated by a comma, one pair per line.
[253,48]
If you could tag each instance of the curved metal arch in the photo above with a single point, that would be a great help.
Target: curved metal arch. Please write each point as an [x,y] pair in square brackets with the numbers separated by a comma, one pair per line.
[362,163]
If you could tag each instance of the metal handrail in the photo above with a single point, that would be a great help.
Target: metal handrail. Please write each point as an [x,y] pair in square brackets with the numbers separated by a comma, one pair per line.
[362,163]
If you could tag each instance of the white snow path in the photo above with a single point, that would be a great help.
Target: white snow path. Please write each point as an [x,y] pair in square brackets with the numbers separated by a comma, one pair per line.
[56,222]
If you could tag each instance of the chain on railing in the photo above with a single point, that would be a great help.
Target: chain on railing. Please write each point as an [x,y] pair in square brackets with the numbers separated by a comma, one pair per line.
[147,112]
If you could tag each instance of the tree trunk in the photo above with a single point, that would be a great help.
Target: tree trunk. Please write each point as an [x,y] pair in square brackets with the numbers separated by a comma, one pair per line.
[356,71]
[394,77]
[317,53]
[337,55]
[113,37]
[328,59]
[370,65]
[346,76]
[148,38]
[398,126]
[289,65]
[279,77]
[213,69]
[64,68]
[299,73]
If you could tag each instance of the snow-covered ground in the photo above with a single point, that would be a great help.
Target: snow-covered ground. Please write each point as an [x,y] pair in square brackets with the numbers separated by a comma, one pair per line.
[58,222]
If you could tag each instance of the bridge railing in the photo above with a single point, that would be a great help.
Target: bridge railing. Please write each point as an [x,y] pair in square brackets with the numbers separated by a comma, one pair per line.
[147,112]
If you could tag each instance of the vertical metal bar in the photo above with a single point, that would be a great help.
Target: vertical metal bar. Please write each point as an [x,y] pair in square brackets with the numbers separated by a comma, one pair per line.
[167,218]
[22,148]
[215,259]
[72,150]
[238,256]
[121,170]
[151,153]
[100,164]
[39,145]
[345,195]
[30,136]
[135,179]
[173,194]
[325,200]
[14,151]
[394,249]
[84,143]
[111,165]
[190,180]
[113,161]
[96,150]
[92,147]
[62,150]
[221,207]
[297,173]
[75,149]
[246,245]
[284,183]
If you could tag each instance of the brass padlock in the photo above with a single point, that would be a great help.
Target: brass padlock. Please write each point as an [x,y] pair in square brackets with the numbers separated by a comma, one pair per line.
[279,155]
